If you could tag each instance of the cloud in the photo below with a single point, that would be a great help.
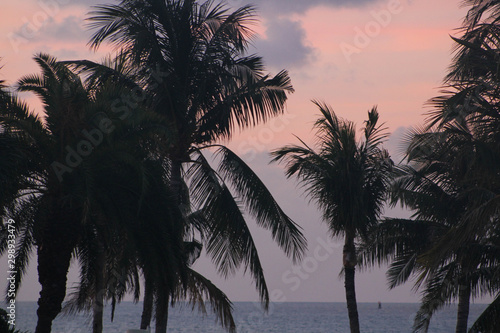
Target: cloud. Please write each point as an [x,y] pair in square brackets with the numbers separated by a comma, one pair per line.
[274,6]
[284,45]
[56,31]
[90,2]
[297,6]
[71,28]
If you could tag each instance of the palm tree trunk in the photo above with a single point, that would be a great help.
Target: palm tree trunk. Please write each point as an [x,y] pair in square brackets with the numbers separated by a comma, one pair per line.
[350,261]
[463,308]
[54,256]
[350,293]
[161,314]
[147,307]
[98,304]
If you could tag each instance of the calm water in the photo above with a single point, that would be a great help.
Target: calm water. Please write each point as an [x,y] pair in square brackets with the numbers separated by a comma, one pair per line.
[282,318]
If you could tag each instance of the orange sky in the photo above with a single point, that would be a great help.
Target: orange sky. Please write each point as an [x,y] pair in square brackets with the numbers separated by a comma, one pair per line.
[398,68]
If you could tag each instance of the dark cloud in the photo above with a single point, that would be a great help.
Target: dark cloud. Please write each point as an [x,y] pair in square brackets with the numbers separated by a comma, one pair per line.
[298,6]
[91,2]
[285,44]
[264,6]
[275,6]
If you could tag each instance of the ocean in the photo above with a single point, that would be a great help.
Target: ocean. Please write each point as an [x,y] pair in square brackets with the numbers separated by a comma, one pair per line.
[281,318]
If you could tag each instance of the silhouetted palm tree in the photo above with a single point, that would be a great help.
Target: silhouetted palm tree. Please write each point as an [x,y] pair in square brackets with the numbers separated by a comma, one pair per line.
[79,181]
[191,63]
[470,101]
[121,266]
[347,179]
[440,186]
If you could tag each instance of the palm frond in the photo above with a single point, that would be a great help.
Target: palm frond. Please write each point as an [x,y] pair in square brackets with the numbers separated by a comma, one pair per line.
[489,320]
[261,204]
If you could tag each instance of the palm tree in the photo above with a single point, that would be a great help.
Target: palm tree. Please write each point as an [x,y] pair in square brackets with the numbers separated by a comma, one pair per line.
[62,197]
[347,179]
[115,251]
[441,186]
[109,273]
[191,63]
[54,210]
[470,102]
[452,184]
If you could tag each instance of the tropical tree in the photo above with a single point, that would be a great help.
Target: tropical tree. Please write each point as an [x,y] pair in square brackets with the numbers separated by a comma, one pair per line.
[12,154]
[348,179]
[470,101]
[433,186]
[191,63]
[72,179]
[107,274]
[452,184]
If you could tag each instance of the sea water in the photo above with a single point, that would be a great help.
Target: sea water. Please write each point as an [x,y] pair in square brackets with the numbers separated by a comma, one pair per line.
[250,318]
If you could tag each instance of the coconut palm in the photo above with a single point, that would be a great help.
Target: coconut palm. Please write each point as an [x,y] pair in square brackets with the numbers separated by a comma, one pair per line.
[54,210]
[121,266]
[348,179]
[192,65]
[470,101]
[455,166]
[447,169]
[461,263]
[63,197]
[441,186]
[474,58]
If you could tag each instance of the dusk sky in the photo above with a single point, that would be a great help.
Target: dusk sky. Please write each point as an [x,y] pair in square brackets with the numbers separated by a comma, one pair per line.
[352,54]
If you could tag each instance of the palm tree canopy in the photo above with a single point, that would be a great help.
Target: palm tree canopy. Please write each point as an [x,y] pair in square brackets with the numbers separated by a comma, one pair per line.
[348,179]
[108,191]
[192,60]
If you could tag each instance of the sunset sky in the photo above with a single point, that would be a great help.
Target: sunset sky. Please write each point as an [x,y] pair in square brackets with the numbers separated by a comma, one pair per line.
[352,54]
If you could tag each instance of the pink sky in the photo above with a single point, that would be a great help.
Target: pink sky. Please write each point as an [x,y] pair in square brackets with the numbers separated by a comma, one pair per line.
[400,67]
